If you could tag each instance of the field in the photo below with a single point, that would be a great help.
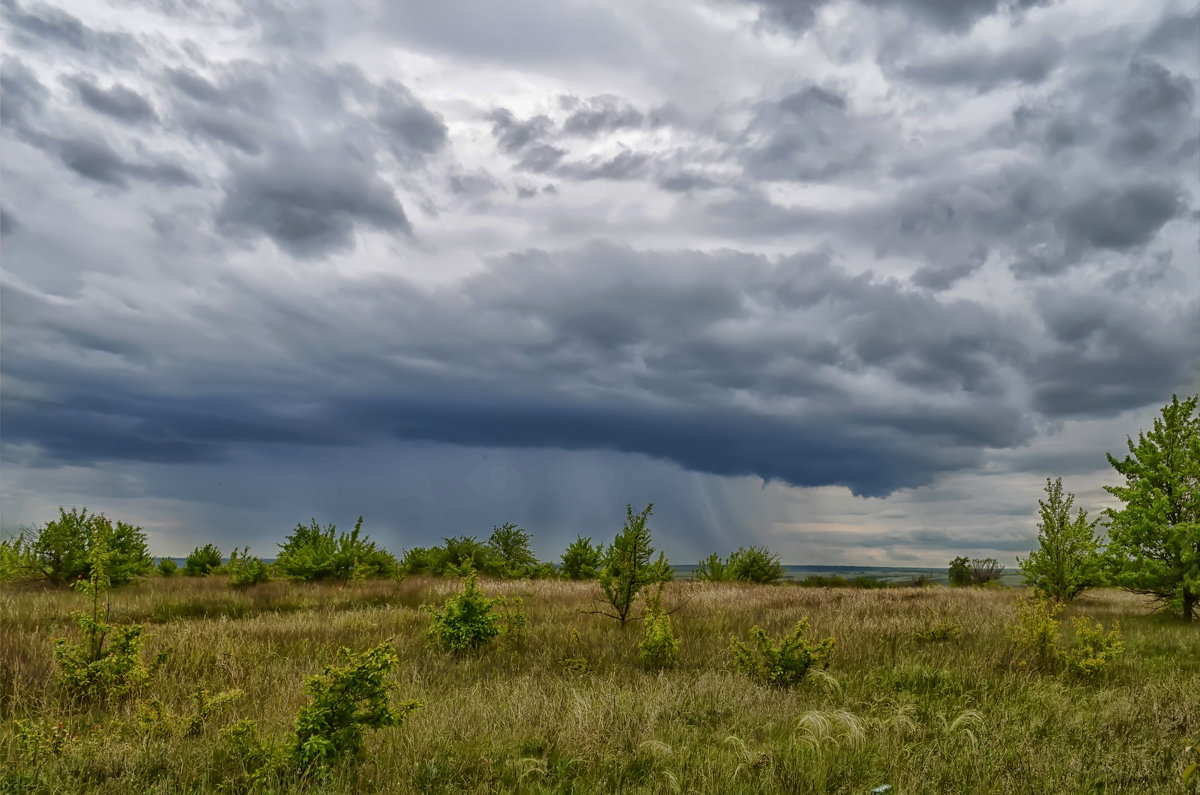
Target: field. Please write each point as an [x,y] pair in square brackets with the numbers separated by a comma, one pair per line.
[957,715]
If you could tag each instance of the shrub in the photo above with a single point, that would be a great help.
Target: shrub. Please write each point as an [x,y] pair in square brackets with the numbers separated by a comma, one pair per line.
[167,567]
[108,663]
[711,569]
[155,717]
[313,553]
[960,572]
[465,623]
[1067,558]
[659,647]
[755,564]
[59,552]
[1035,630]
[510,549]
[203,561]
[246,569]
[581,560]
[1097,648]
[940,630]
[838,581]
[627,567]
[343,701]
[785,663]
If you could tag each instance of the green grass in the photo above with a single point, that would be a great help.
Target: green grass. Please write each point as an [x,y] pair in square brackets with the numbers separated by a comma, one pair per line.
[951,715]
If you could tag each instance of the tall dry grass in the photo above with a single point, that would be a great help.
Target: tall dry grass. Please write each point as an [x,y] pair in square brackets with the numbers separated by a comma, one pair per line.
[951,716]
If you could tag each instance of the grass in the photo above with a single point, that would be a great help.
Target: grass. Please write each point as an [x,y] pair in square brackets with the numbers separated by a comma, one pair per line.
[902,705]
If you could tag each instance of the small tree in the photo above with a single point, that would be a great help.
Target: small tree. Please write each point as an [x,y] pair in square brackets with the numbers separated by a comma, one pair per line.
[511,546]
[712,569]
[960,572]
[465,623]
[203,561]
[60,550]
[1154,540]
[313,553]
[1067,559]
[755,564]
[627,567]
[581,560]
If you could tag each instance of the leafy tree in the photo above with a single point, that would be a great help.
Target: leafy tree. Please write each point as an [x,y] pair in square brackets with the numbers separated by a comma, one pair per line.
[627,568]
[712,569]
[61,550]
[510,544]
[748,564]
[313,553]
[960,572]
[1154,540]
[581,560]
[202,561]
[1067,559]
[167,567]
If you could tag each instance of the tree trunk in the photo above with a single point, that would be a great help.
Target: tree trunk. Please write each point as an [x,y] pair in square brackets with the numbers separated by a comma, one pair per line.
[1189,605]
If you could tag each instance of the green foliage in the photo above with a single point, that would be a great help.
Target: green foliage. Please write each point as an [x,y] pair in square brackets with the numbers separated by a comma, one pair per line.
[627,568]
[975,571]
[785,663]
[960,572]
[465,623]
[313,553]
[939,631]
[167,567]
[1067,559]
[1035,630]
[712,569]
[344,700]
[1096,648]
[59,551]
[246,570]
[17,561]
[1154,540]
[581,560]
[202,561]
[1192,771]
[154,717]
[838,581]
[108,662]
[747,564]
[510,545]
[659,647]
[579,664]
[514,626]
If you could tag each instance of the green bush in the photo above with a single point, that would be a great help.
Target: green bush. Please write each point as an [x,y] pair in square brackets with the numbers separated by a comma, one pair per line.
[1067,559]
[1096,648]
[1035,630]
[581,560]
[747,564]
[511,552]
[627,567]
[59,551]
[659,647]
[313,553]
[203,561]
[108,662]
[465,623]
[343,701]
[167,567]
[785,663]
[246,569]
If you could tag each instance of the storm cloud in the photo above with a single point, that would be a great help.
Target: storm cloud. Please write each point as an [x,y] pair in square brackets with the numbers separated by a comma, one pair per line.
[845,277]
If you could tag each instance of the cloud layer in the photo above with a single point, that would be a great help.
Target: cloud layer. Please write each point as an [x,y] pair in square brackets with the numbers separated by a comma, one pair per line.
[869,254]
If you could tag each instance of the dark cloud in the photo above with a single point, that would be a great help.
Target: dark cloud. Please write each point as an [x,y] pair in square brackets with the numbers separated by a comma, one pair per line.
[23,94]
[1124,217]
[38,25]
[540,158]
[9,222]
[599,115]
[514,135]
[623,166]
[685,182]
[798,16]
[412,128]
[808,136]
[943,277]
[309,202]
[94,159]
[118,102]
[982,71]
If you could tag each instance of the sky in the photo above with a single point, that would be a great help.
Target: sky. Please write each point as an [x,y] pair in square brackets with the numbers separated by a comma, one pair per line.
[846,278]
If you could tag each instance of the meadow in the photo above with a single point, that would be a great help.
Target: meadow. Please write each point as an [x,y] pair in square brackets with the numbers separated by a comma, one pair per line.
[898,706]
